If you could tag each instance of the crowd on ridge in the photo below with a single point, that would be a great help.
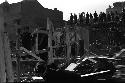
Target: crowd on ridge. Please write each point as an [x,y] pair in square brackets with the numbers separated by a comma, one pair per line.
[90,18]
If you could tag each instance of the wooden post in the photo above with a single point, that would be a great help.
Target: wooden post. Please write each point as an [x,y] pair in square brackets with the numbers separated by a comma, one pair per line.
[6,72]
[50,29]
[77,42]
[68,45]
[8,60]
[18,65]
[37,40]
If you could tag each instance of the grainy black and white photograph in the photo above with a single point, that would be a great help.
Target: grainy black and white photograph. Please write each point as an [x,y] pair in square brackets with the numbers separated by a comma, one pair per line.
[62,41]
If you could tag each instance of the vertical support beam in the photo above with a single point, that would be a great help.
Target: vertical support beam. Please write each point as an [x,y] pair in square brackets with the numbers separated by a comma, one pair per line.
[6,72]
[77,38]
[68,45]
[36,41]
[8,60]
[77,42]
[18,65]
[50,29]
[86,39]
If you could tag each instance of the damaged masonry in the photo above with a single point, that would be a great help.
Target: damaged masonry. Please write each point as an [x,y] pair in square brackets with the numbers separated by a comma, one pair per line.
[37,45]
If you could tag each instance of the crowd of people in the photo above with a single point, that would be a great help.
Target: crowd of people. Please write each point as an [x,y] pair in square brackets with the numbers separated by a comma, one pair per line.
[90,18]
[108,29]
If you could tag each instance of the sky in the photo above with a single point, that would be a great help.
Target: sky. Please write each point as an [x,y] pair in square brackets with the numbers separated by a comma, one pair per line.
[74,6]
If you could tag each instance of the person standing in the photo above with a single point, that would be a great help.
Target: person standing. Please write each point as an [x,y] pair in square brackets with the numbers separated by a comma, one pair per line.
[104,17]
[81,18]
[91,18]
[71,19]
[100,17]
[87,18]
[95,17]
[75,19]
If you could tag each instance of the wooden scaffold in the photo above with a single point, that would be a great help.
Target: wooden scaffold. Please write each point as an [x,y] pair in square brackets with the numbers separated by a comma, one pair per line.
[51,48]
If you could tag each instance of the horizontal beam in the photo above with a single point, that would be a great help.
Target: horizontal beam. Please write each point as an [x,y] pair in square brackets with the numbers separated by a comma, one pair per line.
[56,46]
[41,51]
[41,31]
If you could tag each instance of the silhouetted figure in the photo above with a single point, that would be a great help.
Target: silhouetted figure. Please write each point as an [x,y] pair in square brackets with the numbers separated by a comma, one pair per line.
[104,17]
[108,17]
[75,19]
[81,18]
[87,18]
[91,18]
[84,18]
[71,19]
[95,17]
[100,17]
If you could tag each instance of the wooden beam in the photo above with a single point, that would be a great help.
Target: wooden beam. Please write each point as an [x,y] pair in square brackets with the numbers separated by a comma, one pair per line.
[40,31]
[18,65]
[50,38]
[41,51]
[57,46]
[8,60]
[68,45]
[37,42]
[32,54]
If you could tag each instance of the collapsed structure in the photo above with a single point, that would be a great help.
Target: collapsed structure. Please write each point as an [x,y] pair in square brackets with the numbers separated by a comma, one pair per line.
[12,21]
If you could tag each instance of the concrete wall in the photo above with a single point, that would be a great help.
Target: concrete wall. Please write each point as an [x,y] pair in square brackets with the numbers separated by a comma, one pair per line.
[2,61]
